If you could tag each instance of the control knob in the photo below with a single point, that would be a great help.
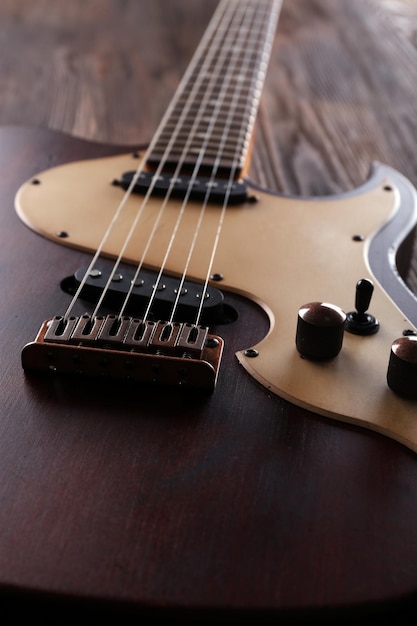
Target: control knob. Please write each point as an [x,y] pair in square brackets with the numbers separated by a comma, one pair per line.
[402,366]
[320,328]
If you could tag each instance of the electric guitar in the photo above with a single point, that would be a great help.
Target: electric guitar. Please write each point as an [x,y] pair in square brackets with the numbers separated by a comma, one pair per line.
[209,390]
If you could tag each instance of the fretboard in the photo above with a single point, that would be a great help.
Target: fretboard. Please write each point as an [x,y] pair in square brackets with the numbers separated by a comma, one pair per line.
[208,126]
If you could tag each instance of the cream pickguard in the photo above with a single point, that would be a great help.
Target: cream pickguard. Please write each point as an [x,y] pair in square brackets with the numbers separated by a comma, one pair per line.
[282,253]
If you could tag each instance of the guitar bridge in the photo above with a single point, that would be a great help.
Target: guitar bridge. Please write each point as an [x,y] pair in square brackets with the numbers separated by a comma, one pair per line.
[127,348]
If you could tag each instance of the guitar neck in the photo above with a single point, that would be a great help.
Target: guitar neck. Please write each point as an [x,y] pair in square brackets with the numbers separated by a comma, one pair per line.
[208,126]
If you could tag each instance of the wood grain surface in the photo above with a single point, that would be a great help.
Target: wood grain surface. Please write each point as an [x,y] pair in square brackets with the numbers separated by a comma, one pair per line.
[340,88]
[341,93]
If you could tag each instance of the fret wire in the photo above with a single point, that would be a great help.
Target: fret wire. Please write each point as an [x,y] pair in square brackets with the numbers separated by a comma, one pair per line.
[199,60]
[218,16]
[268,44]
[196,169]
[216,165]
[215,58]
[250,51]
[219,227]
[165,159]
[216,101]
[219,24]
[213,25]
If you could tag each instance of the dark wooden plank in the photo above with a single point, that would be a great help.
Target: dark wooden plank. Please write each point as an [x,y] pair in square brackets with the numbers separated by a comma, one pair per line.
[100,70]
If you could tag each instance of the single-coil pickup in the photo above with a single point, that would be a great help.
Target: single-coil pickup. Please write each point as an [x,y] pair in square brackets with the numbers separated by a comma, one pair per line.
[202,188]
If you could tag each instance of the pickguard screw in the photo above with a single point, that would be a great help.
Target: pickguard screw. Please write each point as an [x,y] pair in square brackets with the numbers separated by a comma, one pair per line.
[251,353]
[62,234]
[135,155]
[36,181]
[358,238]
[216,277]
[408,332]
[253,199]
[212,342]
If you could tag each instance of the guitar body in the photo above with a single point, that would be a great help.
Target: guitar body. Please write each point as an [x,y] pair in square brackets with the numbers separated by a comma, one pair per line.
[134,498]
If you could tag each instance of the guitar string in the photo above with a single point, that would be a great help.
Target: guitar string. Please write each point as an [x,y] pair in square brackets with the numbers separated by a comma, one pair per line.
[209,96]
[243,65]
[184,117]
[128,192]
[174,136]
[272,19]
[174,176]
[179,289]
[156,283]
[223,28]
[220,59]
[259,79]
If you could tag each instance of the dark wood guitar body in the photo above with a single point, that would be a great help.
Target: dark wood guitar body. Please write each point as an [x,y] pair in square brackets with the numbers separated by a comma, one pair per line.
[159,503]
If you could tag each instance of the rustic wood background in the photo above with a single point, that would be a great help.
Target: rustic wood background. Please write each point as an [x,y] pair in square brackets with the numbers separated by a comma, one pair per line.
[341,90]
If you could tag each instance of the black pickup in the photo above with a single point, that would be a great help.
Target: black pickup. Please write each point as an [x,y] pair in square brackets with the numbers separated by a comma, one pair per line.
[200,189]
[164,296]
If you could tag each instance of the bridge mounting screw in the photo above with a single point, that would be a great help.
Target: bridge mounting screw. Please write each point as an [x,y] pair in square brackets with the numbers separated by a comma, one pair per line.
[251,353]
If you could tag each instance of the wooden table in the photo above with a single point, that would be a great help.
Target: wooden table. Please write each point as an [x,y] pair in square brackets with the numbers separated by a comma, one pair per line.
[340,93]
[341,90]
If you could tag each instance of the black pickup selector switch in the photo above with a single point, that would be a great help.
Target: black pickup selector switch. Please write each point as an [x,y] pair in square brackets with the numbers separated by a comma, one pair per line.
[361,322]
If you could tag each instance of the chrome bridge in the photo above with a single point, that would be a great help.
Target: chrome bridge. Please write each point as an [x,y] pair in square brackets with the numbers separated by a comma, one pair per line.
[127,348]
